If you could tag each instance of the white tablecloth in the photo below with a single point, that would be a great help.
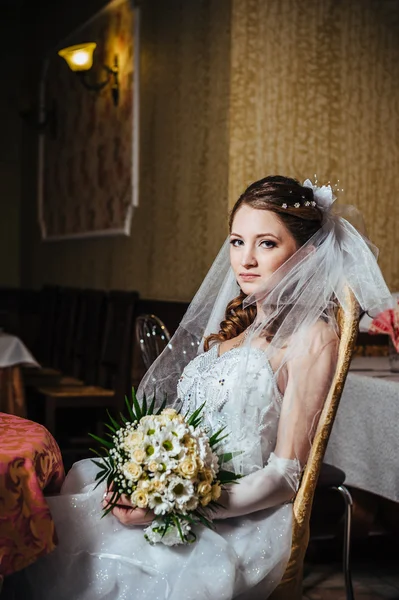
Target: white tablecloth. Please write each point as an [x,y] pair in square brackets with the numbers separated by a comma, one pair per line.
[365,437]
[14,352]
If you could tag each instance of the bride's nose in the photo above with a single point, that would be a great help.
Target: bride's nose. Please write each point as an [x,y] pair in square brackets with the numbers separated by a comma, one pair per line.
[248,258]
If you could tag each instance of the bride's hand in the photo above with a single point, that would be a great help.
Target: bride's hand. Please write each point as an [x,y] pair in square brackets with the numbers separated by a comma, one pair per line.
[126,513]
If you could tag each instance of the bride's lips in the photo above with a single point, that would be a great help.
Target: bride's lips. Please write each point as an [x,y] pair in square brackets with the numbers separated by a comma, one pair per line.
[248,276]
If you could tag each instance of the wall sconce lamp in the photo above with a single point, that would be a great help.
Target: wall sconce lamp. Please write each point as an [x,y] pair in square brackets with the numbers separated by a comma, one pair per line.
[79,59]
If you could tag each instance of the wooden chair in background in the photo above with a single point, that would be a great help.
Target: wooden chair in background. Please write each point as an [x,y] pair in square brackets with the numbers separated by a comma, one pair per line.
[80,352]
[89,336]
[56,343]
[290,587]
[43,349]
[65,329]
[113,377]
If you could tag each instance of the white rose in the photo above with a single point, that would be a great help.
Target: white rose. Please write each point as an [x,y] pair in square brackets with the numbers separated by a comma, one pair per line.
[132,471]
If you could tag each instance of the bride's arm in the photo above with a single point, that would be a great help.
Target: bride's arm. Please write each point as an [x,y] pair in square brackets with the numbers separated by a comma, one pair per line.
[308,381]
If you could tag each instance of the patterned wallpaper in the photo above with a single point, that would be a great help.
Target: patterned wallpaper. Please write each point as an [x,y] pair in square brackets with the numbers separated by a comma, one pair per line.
[296,87]
[88,166]
[181,220]
[314,89]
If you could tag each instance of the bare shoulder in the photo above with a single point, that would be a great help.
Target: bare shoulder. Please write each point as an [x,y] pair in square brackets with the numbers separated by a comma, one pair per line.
[318,350]
[320,335]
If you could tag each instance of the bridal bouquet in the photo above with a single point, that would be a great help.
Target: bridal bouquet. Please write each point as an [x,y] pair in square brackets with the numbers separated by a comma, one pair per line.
[165,462]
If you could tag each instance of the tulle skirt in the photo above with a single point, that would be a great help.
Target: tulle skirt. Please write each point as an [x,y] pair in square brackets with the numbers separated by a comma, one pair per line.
[99,559]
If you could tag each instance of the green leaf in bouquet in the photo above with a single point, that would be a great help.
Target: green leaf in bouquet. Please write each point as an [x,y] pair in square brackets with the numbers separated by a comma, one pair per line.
[144,406]
[99,464]
[102,469]
[165,524]
[150,410]
[107,444]
[101,479]
[191,533]
[163,405]
[123,418]
[204,520]
[113,502]
[114,423]
[189,518]
[227,457]
[139,409]
[96,452]
[226,477]
[107,471]
[108,426]
[214,505]
[196,418]
[109,480]
[136,405]
[130,412]
[177,523]
[217,437]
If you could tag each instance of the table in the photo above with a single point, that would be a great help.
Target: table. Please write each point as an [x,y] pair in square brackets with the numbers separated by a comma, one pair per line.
[30,463]
[364,440]
[13,353]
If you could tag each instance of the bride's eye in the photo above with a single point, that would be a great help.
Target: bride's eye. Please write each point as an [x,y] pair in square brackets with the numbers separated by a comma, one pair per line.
[236,242]
[268,244]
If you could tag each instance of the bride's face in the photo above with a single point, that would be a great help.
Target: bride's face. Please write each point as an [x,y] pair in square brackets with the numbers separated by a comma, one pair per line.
[259,245]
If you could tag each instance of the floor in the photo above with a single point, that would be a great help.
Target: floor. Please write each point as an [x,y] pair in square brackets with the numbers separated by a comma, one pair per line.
[370,582]
[375,572]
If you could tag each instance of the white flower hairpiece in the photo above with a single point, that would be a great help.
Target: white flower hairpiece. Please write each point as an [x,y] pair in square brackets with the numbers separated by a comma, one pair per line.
[323,195]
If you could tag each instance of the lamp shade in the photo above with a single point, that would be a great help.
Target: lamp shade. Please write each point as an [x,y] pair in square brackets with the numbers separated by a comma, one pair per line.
[79,57]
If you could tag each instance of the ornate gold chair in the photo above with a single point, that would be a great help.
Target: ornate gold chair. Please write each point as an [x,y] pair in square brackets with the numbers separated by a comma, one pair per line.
[290,587]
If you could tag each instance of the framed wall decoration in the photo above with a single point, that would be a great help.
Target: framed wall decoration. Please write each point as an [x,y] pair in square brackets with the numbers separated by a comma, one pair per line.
[88,151]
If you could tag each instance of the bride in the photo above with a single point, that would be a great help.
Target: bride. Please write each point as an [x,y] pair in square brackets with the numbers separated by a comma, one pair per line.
[259,345]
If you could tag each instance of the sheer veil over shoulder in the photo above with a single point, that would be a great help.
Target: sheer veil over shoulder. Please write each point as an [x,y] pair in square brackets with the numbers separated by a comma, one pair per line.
[268,392]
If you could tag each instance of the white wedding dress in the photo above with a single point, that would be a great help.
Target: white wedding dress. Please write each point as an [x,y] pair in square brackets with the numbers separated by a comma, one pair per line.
[244,557]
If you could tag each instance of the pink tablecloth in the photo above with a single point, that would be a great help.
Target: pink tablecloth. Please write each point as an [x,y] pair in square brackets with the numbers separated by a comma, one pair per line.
[30,463]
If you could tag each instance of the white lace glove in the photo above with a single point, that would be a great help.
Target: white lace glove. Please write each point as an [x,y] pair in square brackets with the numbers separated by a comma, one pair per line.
[273,485]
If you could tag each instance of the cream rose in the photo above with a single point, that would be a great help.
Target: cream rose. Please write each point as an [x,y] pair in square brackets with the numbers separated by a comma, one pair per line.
[158,485]
[169,412]
[206,475]
[143,484]
[191,504]
[140,498]
[146,418]
[153,466]
[188,468]
[134,438]
[204,488]
[188,442]
[139,455]
[205,500]
[216,491]
[132,471]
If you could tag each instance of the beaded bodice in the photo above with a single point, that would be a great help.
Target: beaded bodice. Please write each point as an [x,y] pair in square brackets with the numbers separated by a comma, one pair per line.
[248,409]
